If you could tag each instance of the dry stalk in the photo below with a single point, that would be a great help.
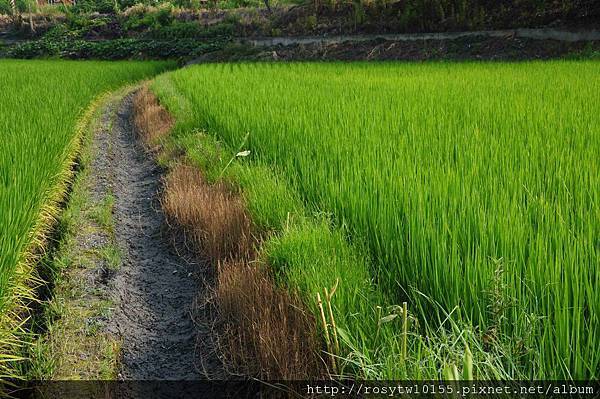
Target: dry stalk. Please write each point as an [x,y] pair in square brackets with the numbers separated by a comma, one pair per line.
[405,329]
[326,329]
[329,296]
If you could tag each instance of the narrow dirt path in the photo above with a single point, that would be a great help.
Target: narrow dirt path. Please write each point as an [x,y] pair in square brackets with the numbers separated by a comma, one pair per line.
[154,289]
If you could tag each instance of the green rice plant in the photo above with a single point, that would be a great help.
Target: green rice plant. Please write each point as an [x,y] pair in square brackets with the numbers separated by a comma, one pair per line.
[43,111]
[473,187]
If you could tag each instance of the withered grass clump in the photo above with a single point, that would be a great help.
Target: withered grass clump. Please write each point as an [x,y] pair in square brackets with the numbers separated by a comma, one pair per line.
[212,217]
[265,331]
[268,331]
[151,120]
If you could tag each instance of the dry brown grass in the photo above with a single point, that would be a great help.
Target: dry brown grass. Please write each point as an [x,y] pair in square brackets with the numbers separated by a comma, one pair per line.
[151,120]
[267,331]
[264,330]
[212,216]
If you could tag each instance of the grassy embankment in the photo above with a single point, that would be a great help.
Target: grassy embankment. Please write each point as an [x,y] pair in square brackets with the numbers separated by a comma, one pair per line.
[43,119]
[469,191]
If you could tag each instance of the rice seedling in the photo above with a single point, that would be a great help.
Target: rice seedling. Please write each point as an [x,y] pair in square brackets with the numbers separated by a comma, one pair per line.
[41,103]
[473,188]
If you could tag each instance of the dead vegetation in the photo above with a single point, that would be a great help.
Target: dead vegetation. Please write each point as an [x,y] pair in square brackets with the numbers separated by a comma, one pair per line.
[151,120]
[267,332]
[212,217]
[264,331]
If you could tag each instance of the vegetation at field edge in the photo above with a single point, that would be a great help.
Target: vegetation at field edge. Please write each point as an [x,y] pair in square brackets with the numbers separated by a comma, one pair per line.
[468,190]
[43,105]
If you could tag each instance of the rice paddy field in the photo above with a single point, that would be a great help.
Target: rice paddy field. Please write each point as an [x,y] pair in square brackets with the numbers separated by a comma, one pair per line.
[41,103]
[471,191]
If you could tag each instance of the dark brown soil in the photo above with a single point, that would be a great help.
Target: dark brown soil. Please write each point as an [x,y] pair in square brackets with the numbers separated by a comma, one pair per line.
[478,48]
[508,48]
